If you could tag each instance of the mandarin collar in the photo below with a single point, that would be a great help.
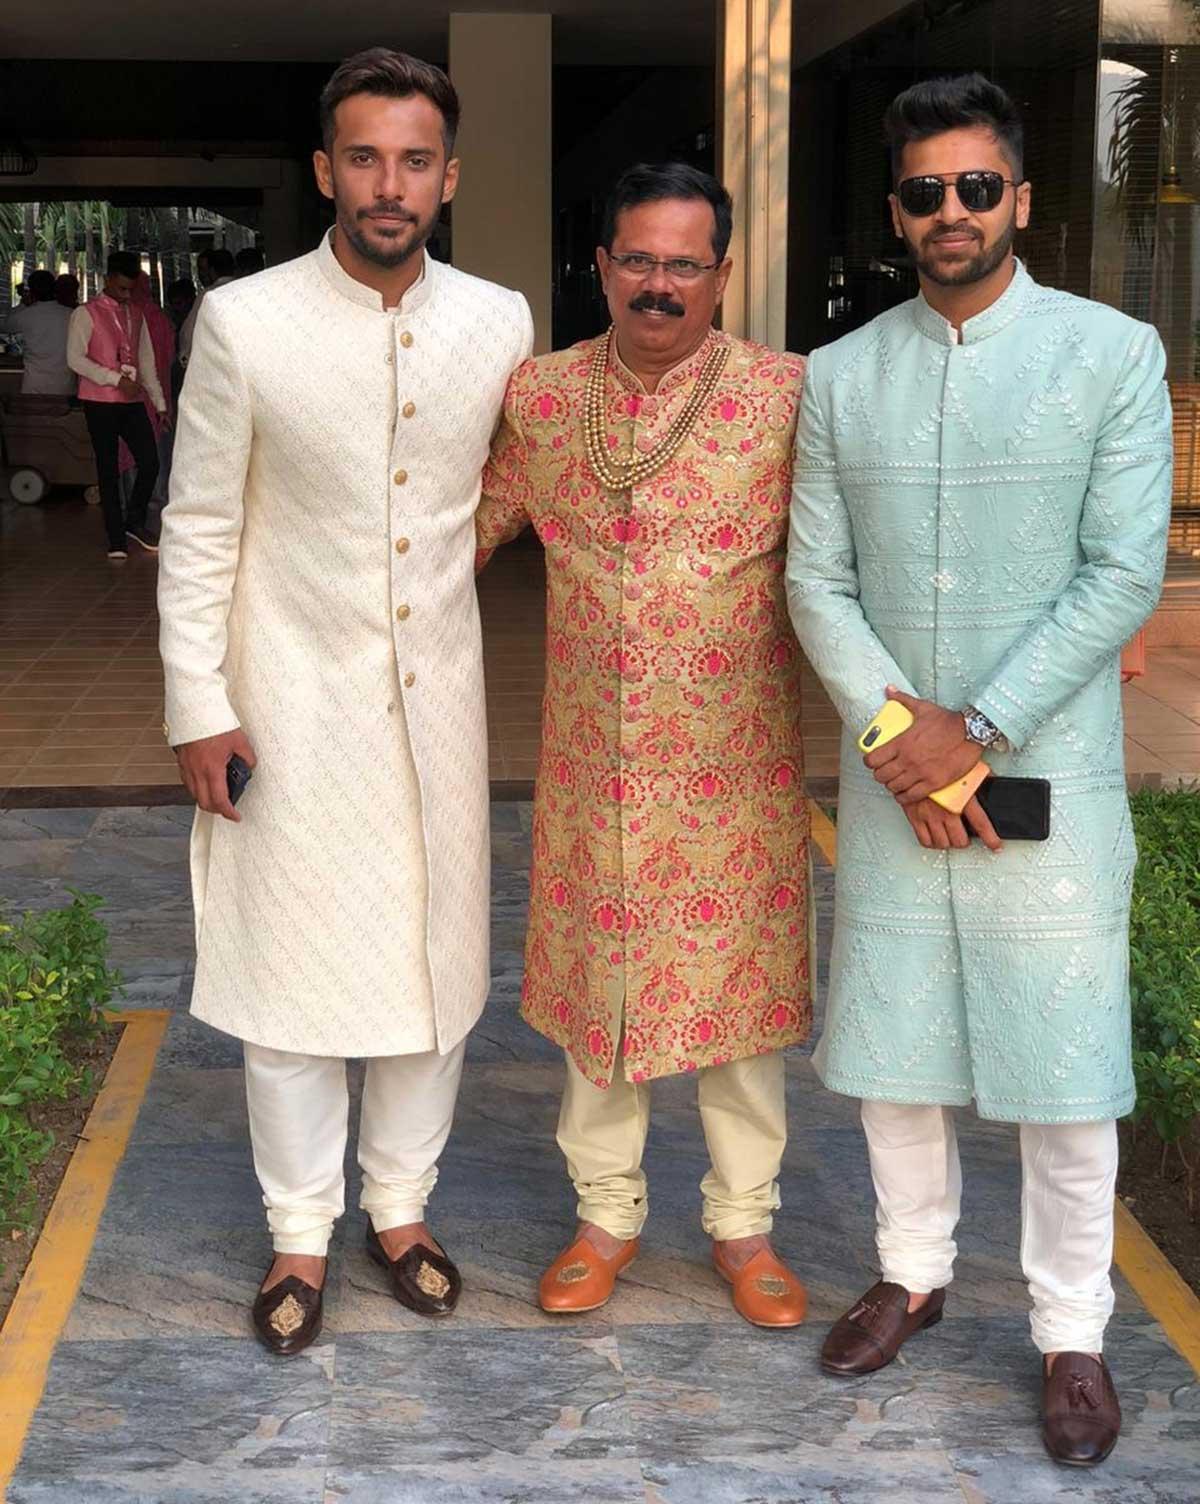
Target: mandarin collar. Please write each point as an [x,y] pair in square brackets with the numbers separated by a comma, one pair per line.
[686,370]
[342,282]
[994,318]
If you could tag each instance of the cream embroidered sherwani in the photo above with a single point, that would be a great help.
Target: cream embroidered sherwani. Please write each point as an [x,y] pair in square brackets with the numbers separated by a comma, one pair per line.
[316,588]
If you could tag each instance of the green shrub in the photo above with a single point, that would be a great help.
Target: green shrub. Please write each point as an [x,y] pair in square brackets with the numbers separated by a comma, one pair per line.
[1165,961]
[54,984]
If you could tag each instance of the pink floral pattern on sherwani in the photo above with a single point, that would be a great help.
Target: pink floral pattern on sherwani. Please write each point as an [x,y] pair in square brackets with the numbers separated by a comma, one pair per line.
[669,910]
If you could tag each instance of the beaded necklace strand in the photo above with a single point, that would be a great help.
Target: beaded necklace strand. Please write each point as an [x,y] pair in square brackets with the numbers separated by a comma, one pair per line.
[618,475]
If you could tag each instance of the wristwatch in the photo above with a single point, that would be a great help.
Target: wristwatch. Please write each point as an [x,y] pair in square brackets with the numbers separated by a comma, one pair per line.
[982,732]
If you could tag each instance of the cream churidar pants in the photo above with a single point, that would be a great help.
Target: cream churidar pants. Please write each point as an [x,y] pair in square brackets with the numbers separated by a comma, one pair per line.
[602,1134]
[299,1114]
[1068,1176]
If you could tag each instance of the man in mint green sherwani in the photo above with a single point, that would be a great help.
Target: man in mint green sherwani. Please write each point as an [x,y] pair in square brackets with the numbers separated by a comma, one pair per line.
[982,491]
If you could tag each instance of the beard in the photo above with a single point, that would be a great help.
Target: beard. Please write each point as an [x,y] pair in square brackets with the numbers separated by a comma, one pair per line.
[962,273]
[390,246]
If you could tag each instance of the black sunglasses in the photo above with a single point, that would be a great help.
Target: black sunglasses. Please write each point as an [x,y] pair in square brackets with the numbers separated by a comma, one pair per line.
[977,191]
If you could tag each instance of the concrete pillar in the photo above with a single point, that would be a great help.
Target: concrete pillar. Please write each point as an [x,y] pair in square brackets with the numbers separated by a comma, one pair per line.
[754,90]
[502,216]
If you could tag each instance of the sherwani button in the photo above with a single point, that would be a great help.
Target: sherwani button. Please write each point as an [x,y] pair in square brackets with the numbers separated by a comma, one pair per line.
[389,358]
[400,477]
[409,680]
[409,409]
[406,340]
[403,613]
[402,545]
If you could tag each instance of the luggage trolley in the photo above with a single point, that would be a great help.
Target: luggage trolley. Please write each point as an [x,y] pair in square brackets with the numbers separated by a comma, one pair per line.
[45,444]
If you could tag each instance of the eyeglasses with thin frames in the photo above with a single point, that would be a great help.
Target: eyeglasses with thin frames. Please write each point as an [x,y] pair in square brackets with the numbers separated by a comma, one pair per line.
[678,268]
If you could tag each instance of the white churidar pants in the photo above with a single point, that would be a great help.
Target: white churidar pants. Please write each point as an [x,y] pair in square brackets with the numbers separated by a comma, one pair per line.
[1068,1177]
[299,1114]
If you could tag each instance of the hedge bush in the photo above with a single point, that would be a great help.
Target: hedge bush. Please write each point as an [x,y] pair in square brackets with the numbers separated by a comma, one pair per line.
[54,984]
[1165,962]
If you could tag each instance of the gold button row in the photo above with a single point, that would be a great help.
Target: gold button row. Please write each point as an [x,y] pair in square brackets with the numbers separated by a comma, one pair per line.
[403,613]
[402,545]
[401,477]
[409,409]
[406,340]
[409,680]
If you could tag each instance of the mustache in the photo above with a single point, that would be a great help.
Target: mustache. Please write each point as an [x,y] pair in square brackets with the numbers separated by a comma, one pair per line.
[392,211]
[947,231]
[657,302]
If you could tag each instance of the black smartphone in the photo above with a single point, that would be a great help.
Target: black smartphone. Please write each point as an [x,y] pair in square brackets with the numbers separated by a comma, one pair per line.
[237,775]
[1019,808]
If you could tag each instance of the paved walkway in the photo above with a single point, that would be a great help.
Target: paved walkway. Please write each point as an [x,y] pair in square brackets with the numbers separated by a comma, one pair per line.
[158,1394]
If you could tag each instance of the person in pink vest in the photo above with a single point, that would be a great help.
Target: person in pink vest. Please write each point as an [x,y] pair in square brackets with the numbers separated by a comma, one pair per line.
[162,338]
[110,350]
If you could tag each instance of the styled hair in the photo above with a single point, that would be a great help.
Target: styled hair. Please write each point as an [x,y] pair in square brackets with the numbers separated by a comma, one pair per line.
[249,260]
[41,286]
[951,103]
[390,75]
[650,183]
[123,264]
[220,259]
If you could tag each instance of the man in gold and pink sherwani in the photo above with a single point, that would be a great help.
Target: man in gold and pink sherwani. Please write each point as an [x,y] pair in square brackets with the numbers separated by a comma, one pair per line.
[669,920]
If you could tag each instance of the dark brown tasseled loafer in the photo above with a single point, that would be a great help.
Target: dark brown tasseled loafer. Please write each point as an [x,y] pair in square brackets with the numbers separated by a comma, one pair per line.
[875,1328]
[424,1281]
[287,1317]
[1081,1415]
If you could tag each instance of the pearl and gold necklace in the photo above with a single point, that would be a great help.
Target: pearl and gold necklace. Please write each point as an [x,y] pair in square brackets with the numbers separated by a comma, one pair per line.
[624,475]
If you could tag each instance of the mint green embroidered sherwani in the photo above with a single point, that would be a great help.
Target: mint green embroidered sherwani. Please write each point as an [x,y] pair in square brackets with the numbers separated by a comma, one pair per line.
[984,522]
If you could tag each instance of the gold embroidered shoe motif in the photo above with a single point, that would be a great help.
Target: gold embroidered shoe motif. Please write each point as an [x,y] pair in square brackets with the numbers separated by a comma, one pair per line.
[431,1282]
[771,1284]
[571,1274]
[287,1317]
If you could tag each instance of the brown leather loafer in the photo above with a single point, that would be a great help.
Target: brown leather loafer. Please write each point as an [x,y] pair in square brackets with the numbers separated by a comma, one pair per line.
[581,1278]
[765,1291]
[287,1317]
[424,1281]
[875,1328]
[1081,1415]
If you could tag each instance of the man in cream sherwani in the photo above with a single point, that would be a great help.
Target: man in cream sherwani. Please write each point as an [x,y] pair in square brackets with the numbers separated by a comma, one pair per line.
[319,619]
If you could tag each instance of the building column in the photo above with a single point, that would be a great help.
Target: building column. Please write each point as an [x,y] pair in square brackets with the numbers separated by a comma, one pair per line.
[502,216]
[753,109]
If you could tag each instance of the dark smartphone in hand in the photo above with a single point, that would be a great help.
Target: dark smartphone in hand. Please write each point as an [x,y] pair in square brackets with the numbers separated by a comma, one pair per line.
[1019,808]
[237,775]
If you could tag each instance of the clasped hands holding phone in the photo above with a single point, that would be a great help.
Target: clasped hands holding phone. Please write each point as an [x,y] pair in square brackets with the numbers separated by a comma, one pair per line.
[932,753]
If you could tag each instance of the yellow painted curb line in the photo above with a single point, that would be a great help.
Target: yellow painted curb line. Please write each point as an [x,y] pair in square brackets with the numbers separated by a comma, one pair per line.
[824,832]
[1155,1279]
[1158,1284]
[47,1292]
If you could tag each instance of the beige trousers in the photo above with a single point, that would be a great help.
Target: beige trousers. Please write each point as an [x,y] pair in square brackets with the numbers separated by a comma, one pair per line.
[602,1133]
[299,1118]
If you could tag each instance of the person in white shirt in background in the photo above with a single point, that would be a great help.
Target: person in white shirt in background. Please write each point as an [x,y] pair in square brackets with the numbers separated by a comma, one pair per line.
[214,267]
[42,327]
[109,348]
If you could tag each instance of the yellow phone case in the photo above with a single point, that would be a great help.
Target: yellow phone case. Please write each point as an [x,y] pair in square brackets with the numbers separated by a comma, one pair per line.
[956,796]
[890,721]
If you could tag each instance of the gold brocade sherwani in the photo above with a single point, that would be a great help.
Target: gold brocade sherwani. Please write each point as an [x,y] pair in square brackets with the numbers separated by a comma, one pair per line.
[669,893]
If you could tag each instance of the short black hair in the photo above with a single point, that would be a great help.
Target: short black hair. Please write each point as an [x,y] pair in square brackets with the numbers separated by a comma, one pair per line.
[649,183]
[390,75]
[952,103]
[249,260]
[220,258]
[41,286]
[123,264]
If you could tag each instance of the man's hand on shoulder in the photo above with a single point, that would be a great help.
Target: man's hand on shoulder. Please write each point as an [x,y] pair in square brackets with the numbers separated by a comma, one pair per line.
[933,752]
[202,767]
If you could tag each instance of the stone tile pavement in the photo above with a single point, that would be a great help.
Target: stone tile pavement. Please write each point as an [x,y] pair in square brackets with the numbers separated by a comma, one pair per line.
[158,1394]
